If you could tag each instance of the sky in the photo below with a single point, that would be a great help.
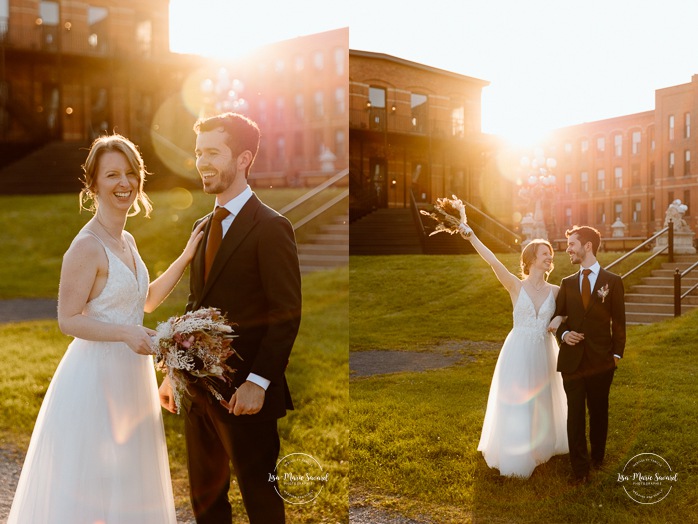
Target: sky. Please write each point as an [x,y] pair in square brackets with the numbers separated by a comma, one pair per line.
[550,63]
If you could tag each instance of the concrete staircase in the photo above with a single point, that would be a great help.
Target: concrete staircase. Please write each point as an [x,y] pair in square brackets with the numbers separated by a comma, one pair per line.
[653,300]
[328,249]
[385,232]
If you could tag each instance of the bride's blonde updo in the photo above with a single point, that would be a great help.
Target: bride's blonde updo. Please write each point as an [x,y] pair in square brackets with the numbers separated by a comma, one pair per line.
[118,144]
[529,253]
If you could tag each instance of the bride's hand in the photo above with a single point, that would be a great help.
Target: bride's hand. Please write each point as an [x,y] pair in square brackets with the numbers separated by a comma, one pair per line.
[554,324]
[196,235]
[465,231]
[138,339]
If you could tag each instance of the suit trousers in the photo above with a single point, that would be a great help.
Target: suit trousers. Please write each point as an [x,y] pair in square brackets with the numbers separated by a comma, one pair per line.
[213,442]
[590,391]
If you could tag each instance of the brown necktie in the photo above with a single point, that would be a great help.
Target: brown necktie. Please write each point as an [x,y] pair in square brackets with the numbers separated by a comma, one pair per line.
[586,287]
[215,237]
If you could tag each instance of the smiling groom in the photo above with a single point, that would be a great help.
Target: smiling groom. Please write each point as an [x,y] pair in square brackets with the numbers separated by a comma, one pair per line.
[247,267]
[592,340]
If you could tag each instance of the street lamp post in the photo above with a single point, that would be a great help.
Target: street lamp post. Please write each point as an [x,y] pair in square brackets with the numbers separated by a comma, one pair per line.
[538,184]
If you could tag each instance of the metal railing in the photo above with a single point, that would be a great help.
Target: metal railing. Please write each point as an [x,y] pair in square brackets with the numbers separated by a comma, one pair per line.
[670,247]
[314,192]
[678,296]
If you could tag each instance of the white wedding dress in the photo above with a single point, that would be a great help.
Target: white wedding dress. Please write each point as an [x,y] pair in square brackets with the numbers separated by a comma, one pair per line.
[526,417]
[98,452]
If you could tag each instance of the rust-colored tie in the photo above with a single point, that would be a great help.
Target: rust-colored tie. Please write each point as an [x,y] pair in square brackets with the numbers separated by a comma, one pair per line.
[215,237]
[586,287]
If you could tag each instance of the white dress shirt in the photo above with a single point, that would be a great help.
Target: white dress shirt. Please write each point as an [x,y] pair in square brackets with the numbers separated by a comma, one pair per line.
[234,206]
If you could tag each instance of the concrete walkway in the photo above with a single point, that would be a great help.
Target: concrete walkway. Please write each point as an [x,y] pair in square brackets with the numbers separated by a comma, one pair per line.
[19,309]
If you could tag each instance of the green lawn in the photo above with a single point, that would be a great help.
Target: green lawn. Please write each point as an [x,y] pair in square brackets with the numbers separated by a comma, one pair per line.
[414,435]
[317,374]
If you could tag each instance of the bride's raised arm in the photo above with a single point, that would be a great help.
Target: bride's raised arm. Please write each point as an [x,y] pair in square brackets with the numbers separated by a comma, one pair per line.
[508,279]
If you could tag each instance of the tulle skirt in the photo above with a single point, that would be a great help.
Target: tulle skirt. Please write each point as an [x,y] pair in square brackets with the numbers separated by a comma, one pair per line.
[98,452]
[526,418]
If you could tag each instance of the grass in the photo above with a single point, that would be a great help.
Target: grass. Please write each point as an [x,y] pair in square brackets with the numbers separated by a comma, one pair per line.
[414,435]
[408,302]
[37,230]
[317,374]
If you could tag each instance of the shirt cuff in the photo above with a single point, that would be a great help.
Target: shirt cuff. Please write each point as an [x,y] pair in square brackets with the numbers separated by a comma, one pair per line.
[260,381]
[617,356]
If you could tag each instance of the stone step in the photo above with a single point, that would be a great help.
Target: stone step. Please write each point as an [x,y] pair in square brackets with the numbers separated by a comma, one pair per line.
[334,249]
[646,318]
[659,290]
[642,307]
[687,281]
[337,228]
[648,298]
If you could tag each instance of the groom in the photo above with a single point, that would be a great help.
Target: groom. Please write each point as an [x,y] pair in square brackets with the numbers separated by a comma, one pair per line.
[254,278]
[592,340]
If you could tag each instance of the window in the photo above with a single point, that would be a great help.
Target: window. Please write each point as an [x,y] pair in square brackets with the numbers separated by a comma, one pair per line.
[650,132]
[339,105]
[318,104]
[637,137]
[618,210]
[652,173]
[583,214]
[584,146]
[339,59]
[279,114]
[600,213]
[279,66]
[418,104]
[458,122]
[144,37]
[318,60]
[376,101]
[97,27]
[618,145]
[600,145]
[568,148]
[263,117]
[568,183]
[4,17]
[671,163]
[687,125]
[299,63]
[568,217]
[687,162]
[280,148]
[340,143]
[298,146]
[671,127]
[600,180]
[299,107]
[584,182]
[637,211]
[618,178]
[49,18]
[652,207]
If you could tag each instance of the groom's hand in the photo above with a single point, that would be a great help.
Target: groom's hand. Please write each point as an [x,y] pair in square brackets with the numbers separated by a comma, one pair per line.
[166,396]
[572,337]
[247,400]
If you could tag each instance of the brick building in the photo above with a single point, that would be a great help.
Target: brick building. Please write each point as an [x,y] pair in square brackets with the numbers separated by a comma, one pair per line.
[413,129]
[629,168]
[71,71]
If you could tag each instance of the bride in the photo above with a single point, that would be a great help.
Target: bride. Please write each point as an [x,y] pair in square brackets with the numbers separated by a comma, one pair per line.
[98,453]
[525,420]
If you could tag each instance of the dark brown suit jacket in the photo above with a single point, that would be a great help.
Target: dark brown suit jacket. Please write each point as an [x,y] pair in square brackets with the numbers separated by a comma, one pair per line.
[602,322]
[255,280]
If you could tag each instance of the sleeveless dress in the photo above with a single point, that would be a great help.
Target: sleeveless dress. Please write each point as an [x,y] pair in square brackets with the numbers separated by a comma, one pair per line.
[526,418]
[98,452]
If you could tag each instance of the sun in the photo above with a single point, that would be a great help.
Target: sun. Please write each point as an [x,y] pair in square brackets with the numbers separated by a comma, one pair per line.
[225,29]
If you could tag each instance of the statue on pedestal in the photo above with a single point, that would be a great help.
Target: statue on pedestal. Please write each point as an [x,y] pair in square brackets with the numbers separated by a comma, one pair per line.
[683,235]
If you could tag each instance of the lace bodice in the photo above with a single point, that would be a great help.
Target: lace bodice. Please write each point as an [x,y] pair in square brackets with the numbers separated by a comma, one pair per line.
[123,297]
[525,317]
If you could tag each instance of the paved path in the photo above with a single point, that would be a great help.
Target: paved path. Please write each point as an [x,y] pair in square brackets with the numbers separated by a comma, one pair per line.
[19,309]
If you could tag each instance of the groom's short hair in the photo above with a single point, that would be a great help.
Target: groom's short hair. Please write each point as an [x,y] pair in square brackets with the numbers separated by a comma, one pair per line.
[586,234]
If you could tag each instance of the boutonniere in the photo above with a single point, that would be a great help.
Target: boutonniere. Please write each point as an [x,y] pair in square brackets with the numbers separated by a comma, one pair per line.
[603,293]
